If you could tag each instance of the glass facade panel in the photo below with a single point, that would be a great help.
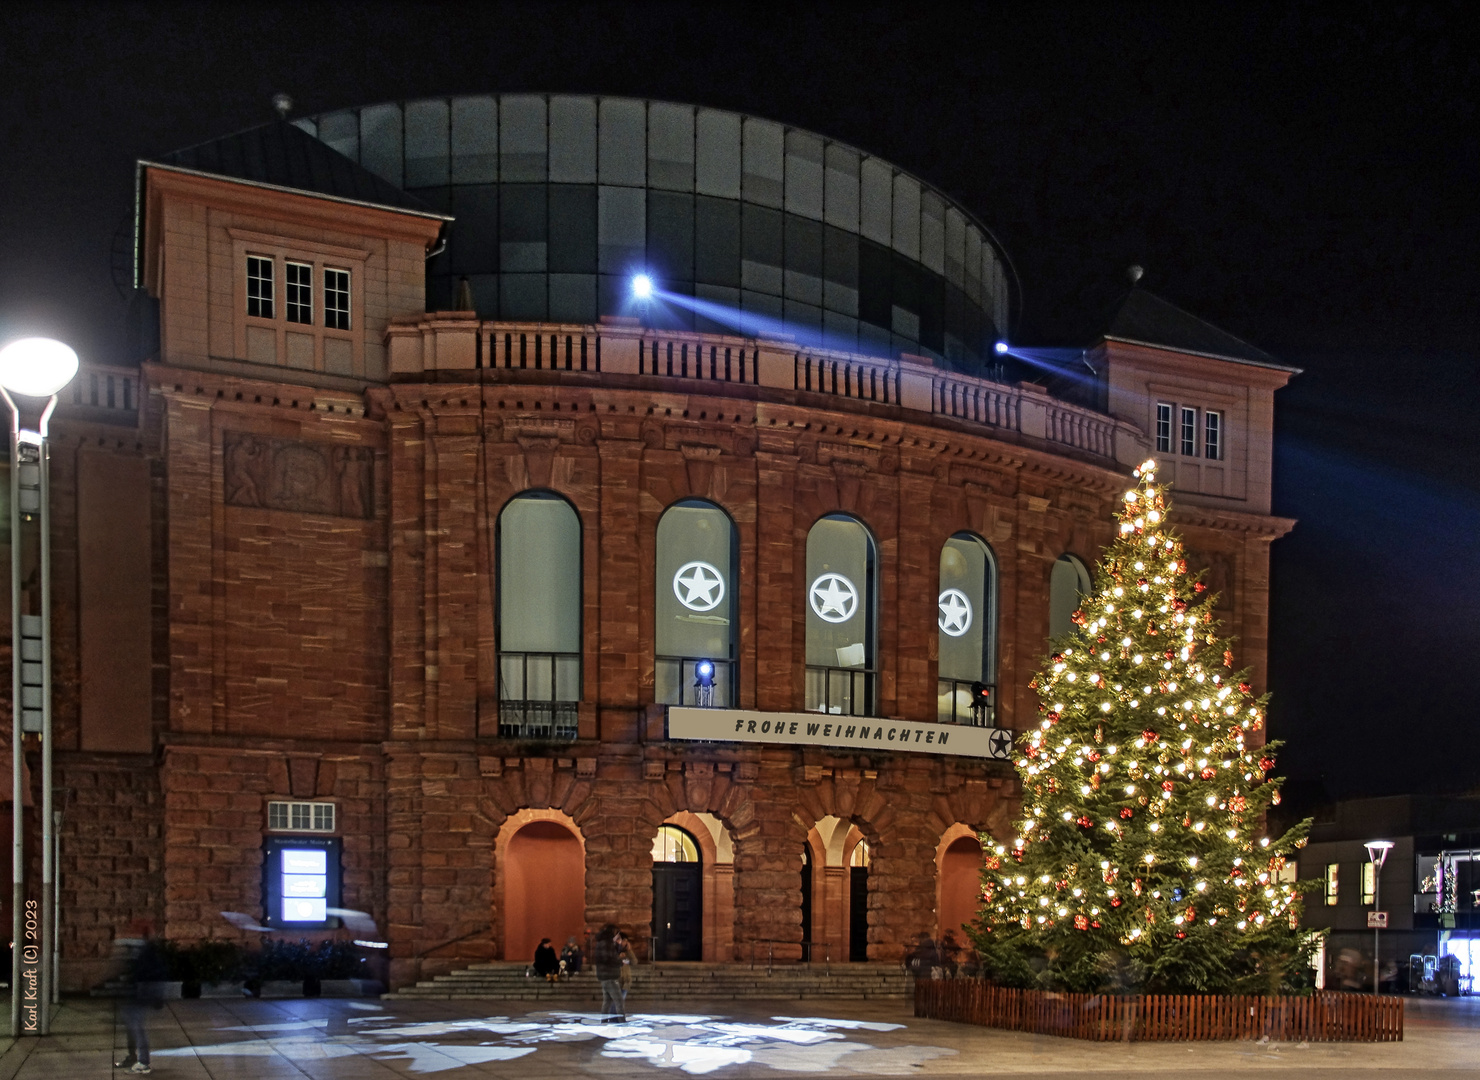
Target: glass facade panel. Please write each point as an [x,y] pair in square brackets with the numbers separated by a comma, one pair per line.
[341,131]
[572,140]
[717,241]
[539,584]
[906,216]
[876,182]
[473,245]
[955,247]
[622,141]
[671,146]
[764,178]
[522,134]
[1068,582]
[522,228]
[573,299]
[621,229]
[427,130]
[670,237]
[717,154]
[381,150]
[475,140]
[933,232]
[572,235]
[804,154]
[763,249]
[840,198]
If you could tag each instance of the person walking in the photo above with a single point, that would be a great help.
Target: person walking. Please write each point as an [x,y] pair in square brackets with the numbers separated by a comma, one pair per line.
[606,957]
[546,963]
[629,966]
[147,971]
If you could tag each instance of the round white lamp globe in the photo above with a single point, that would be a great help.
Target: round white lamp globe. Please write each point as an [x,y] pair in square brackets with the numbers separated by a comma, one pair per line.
[36,367]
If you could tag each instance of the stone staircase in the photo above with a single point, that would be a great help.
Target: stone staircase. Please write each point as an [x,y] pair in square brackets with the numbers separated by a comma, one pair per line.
[670,982]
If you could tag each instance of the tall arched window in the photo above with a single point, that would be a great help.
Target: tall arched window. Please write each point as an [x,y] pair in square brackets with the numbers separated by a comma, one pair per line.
[841,603]
[539,617]
[966,616]
[1070,581]
[694,626]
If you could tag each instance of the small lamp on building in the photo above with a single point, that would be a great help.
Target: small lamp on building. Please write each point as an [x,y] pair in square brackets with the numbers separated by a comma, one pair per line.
[704,682]
[32,368]
[1377,853]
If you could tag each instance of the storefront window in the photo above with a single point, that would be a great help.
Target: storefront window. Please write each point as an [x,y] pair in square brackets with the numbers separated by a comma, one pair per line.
[694,628]
[841,614]
[966,617]
[539,631]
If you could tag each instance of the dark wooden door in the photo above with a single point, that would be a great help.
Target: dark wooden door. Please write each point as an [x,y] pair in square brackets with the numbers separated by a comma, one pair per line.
[806,904]
[858,913]
[678,911]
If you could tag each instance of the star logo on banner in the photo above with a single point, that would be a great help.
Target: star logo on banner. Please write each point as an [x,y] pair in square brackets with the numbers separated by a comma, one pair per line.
[834,598]
[698,586]
[1001,744]
[955,613]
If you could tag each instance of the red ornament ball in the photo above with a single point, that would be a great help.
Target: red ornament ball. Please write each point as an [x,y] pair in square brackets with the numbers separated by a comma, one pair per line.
[1126,812]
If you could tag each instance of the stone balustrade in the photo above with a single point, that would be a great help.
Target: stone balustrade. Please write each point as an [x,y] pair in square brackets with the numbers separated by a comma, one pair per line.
[457,341]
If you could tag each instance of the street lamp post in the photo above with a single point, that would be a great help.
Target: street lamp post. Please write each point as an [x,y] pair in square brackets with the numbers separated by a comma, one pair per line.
[31,368]
[1377,853]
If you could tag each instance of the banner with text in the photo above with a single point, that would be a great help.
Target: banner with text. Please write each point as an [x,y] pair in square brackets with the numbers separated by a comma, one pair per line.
[843,732]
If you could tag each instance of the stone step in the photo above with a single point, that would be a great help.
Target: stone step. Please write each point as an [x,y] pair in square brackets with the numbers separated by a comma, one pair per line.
[673,982]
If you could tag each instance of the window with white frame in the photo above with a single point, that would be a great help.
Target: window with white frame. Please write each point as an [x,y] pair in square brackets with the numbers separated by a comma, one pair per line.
[1163,427]
[299,278]
[336,299]
[1332,882]
[300,816]
[259,287]
[1189,431]
[1212,435]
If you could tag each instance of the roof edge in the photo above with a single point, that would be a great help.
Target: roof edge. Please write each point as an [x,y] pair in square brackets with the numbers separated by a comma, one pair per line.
[1270,365]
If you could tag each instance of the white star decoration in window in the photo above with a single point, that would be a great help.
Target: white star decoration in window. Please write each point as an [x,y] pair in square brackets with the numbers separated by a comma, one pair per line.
[834,598]
[955,613]
[699,586]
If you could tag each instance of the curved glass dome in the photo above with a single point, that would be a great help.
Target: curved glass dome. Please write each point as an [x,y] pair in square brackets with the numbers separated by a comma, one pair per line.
[742,224]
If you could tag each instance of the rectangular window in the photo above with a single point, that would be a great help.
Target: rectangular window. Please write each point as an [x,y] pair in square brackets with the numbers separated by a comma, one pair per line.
[1212,435]
[336,299]
[1369,883]
[301,882]
[1163,427]
[1189,431]
[259,287]
[1331,883]
[300,817]
[300,292]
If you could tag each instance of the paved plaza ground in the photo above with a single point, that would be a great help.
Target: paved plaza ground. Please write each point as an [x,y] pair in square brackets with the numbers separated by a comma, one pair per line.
[460,1040]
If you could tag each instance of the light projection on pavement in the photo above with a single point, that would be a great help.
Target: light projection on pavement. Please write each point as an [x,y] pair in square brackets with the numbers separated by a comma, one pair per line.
[696,1044]
[834,598]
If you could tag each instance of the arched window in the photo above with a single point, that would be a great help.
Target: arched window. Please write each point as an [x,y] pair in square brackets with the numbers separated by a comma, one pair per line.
[1069,582]
[539,617]
[694,625]
[840,604]
[966,616]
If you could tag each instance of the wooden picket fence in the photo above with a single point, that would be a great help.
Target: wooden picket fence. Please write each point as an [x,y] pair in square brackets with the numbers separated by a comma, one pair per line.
[1321,1017]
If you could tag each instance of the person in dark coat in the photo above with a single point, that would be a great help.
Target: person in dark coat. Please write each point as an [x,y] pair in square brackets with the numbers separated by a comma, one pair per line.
[571,958]
[148,970]
[546,963]
[606,957]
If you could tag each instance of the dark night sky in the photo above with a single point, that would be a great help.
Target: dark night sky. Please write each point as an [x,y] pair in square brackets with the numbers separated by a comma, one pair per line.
[1305,177]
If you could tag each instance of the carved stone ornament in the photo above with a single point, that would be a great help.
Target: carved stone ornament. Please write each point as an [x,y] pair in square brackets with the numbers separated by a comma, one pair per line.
[304,478]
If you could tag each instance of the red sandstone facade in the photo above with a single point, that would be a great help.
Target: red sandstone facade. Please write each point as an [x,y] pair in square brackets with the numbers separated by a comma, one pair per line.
[323,627]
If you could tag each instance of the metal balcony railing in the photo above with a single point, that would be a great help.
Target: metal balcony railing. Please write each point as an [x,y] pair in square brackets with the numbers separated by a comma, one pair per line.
[840,691]
[954,703]
[676,682]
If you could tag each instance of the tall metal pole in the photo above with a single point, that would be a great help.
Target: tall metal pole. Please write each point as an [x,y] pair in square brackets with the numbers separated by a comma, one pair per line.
[17,800]
[48,850]
[1376,933]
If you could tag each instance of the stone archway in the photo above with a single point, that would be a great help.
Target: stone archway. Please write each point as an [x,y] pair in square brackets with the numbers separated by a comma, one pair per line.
[958,869]
[541,886]
[717,856]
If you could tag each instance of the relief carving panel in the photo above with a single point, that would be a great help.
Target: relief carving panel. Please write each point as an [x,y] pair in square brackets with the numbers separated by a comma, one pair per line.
[305,478]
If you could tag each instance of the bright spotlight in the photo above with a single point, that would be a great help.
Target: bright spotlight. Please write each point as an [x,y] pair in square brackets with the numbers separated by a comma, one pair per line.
[1001,348]
[642,287]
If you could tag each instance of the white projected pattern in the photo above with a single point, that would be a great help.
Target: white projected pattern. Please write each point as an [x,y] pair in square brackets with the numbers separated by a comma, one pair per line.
[955,613]
[699,586]
[694,1044]
[834,598]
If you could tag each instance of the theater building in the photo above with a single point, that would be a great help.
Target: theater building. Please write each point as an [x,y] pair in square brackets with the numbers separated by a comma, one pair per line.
[422,569]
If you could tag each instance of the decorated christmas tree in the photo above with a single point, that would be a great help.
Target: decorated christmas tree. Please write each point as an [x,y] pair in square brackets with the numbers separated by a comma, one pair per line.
[1141,861]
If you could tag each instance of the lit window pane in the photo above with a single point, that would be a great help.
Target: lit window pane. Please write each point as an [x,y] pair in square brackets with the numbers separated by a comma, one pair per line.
[300,293]
[336,299]
[259,287]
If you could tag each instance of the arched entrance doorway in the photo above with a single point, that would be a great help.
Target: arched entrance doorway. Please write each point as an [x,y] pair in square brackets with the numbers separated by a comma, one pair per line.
[858,865]
[958,882]
[678,895]
[835,869]
[542,877]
